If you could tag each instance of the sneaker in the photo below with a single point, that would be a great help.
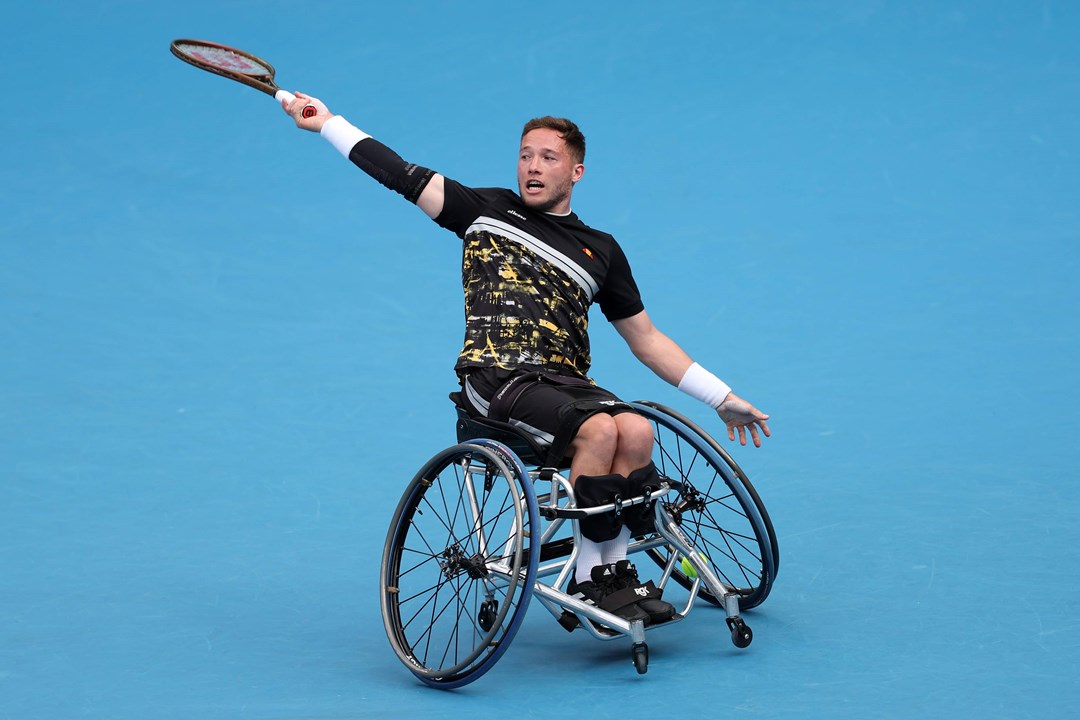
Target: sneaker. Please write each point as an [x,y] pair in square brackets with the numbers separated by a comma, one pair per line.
[626,578]
[589,591]
[600,591]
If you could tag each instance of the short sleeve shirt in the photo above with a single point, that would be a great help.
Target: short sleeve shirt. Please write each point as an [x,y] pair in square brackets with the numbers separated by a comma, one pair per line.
[529,279]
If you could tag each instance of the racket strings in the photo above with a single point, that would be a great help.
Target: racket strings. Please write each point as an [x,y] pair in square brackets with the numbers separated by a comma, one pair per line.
[224,59]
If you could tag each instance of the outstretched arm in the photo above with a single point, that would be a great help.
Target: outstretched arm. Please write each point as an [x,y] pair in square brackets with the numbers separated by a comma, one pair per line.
[419,185]
[665,358]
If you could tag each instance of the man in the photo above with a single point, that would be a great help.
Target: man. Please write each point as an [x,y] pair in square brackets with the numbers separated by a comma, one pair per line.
[530,271]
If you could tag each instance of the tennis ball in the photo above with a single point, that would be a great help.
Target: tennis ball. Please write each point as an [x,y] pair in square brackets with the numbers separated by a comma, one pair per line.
[688,568]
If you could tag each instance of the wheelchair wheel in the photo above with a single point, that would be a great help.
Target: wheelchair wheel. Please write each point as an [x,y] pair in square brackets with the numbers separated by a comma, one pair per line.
[717,507]
[456,576]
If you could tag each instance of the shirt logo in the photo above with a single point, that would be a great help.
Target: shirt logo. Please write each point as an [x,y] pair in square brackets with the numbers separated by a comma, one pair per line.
[516,214]
[588,252]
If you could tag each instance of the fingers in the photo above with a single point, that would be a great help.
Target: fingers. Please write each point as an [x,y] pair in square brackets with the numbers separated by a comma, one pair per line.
[755,434]
[740,416]
[757,429]
[309,113]
[765,427]
[288,105]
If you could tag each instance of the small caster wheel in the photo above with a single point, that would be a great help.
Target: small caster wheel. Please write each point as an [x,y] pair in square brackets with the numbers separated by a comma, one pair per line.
[640,652]
[741,634]
[489,610]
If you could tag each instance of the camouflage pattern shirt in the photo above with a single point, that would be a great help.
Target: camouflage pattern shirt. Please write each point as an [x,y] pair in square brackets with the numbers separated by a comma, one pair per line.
[529,280]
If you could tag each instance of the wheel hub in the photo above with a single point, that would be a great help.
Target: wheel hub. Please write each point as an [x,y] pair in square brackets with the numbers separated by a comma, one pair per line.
[454,562]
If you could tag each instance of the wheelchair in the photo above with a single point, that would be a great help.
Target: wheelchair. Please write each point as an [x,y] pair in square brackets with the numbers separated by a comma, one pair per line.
[484,528]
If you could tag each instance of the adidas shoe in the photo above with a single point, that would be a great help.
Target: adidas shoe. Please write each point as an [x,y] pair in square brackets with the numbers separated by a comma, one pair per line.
[648,595]
[601,592]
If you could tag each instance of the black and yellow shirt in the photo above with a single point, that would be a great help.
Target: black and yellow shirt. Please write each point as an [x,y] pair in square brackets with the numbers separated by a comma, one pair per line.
[529,280]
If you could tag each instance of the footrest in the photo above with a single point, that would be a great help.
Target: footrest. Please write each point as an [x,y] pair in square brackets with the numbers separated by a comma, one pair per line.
[569,621]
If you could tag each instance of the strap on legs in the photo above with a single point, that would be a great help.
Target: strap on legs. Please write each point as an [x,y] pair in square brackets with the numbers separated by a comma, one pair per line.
[640,518]
[594,490]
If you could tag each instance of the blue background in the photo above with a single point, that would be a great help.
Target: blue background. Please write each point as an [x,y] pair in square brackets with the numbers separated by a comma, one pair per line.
[225,350]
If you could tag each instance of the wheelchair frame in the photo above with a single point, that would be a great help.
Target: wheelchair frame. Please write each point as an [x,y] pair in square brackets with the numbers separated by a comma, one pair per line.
[459,567]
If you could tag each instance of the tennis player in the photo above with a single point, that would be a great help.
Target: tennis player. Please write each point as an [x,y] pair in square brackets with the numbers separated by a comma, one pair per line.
[530,271]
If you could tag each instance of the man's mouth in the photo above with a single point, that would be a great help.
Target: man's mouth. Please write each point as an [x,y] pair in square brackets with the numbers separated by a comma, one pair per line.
[534,185]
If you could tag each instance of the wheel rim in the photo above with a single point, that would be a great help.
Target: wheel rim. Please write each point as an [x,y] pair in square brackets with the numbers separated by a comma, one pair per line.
[716,508]
[456,580]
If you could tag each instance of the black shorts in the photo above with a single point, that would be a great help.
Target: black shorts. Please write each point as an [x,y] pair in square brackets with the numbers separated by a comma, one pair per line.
[547,408]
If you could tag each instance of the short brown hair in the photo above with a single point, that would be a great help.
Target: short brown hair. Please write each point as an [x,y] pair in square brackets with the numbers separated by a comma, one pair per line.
[568,131]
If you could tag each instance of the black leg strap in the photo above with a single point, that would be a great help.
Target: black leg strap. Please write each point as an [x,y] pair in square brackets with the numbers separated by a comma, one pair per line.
[640,518]
[593,490]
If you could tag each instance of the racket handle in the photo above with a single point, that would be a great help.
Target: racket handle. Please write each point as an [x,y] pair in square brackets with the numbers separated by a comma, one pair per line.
[288,97]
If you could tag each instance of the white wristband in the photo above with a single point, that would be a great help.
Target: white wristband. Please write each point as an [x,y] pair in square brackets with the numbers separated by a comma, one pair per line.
[342,134]
[702,385]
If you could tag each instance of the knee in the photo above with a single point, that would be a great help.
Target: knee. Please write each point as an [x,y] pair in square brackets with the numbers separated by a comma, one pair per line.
[635,436]
[600,433]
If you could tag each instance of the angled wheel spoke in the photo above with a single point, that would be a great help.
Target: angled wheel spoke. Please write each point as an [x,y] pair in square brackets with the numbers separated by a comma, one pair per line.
[717,509]
[448,613]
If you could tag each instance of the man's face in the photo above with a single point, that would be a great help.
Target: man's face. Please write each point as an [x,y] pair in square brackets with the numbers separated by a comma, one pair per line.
[546,172]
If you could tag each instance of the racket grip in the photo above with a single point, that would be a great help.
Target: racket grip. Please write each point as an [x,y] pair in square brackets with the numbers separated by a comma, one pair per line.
[288,97]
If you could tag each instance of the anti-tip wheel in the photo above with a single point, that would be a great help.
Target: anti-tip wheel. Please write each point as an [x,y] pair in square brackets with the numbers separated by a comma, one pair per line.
[741,634]
[640,653]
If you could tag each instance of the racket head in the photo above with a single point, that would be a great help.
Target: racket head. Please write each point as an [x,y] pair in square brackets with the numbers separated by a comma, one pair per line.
[228,62]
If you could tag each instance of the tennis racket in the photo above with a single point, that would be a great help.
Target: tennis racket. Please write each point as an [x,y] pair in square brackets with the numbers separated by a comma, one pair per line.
[236,65]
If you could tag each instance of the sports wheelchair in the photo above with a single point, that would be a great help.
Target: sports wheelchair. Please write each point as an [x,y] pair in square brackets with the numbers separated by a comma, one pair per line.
[484,527]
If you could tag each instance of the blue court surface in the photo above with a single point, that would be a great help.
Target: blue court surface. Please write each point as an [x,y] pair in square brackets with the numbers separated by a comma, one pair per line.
[225,350]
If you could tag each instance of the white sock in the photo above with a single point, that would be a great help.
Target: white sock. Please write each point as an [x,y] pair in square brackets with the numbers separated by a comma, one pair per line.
[589,556]
[614,550]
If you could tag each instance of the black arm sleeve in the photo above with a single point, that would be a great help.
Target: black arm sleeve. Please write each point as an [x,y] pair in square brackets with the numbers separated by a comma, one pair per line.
[383,164]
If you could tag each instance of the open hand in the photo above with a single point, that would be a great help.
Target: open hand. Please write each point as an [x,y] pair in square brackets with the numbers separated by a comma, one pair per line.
[740,415]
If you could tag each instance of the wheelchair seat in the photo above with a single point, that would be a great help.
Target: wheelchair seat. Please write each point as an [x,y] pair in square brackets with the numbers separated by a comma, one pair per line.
[471,428]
